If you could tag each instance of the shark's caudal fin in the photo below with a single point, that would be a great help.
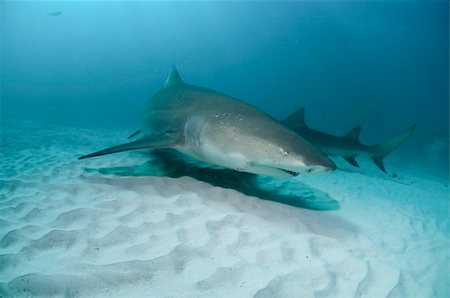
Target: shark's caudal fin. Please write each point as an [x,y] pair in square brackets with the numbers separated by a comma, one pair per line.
[296,120]
[379,152]
[173,78]
[160,141]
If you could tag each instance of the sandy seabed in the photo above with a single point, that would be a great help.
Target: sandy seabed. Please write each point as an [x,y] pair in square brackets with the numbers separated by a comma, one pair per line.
[102,227]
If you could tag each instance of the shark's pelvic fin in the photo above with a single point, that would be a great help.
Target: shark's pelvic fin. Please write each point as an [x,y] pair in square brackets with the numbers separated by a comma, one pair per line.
[296,120]
[353,135]
[351,160]
[158,141]
[135,133]
[173,78]
[379,152]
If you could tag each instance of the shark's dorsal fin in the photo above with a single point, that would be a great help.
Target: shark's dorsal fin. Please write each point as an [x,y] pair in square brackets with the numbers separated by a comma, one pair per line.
[296,120]
[353,134]
[173,78]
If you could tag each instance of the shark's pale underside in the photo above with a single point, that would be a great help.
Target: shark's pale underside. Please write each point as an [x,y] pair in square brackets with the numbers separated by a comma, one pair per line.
[221,130]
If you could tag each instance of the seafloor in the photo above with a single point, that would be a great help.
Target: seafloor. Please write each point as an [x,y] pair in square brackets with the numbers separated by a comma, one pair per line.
[139,225]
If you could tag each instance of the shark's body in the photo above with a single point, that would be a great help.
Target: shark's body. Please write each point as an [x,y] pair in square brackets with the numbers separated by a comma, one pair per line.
[347,146]
[221,130]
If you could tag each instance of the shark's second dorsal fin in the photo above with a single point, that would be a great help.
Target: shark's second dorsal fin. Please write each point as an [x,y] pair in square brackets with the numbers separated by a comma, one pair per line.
[173,78]
[353,134]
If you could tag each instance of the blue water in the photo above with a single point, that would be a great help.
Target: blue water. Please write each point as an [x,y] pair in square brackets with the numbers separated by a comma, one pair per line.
[379,64]
[92,66]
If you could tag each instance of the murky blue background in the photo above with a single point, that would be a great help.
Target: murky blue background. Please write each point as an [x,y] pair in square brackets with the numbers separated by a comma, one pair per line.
[380,64]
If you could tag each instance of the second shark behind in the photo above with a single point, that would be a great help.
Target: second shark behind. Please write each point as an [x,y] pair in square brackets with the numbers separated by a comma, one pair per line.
[347,146]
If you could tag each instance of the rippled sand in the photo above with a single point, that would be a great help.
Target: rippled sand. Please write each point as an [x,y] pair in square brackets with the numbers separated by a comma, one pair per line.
[71,228]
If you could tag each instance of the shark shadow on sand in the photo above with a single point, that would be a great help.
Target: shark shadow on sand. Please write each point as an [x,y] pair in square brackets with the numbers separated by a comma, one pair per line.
[169,163]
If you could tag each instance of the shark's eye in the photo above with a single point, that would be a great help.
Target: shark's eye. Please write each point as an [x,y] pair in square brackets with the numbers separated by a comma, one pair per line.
[284,152]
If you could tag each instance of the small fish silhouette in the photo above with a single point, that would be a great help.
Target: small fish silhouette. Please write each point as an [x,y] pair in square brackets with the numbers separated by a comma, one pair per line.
[54,14]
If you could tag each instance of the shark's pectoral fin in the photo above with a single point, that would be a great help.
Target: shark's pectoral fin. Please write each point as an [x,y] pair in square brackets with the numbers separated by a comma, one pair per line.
[351,160]
[153,142]
[135,133]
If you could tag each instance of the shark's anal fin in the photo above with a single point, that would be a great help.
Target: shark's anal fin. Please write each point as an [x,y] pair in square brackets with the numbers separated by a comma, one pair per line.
[351,160]
[135,133]
[353,135]
[158,141]
[379,163]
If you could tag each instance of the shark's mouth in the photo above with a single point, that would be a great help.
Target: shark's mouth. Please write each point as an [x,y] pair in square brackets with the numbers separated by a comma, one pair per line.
[269,170]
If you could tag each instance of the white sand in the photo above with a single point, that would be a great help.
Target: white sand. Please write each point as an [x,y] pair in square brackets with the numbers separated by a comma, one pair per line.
[67,230]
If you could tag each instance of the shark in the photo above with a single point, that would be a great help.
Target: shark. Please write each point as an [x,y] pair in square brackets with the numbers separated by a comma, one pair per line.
[221,130]
[347,146]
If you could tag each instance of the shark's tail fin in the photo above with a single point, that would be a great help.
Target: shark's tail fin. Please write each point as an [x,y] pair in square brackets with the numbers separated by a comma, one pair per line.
[379,152]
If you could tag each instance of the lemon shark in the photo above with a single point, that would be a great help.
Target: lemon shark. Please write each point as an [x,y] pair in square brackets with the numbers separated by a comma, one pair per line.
[221,130]
[347,146]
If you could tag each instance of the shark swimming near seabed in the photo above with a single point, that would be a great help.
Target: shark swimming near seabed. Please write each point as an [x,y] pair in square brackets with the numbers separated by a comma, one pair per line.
[347,146]
[221,130]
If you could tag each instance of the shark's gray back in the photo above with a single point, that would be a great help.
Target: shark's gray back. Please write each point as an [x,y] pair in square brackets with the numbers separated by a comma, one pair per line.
[221,130]
[172,106]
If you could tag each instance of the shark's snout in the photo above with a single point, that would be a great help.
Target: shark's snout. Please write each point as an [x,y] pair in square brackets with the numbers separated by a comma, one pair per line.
[329,165]
[315,164]
[332,167]
[322,164]
[321,169]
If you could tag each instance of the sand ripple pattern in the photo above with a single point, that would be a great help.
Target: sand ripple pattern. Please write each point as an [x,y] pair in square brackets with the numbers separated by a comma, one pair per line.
[65,232]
